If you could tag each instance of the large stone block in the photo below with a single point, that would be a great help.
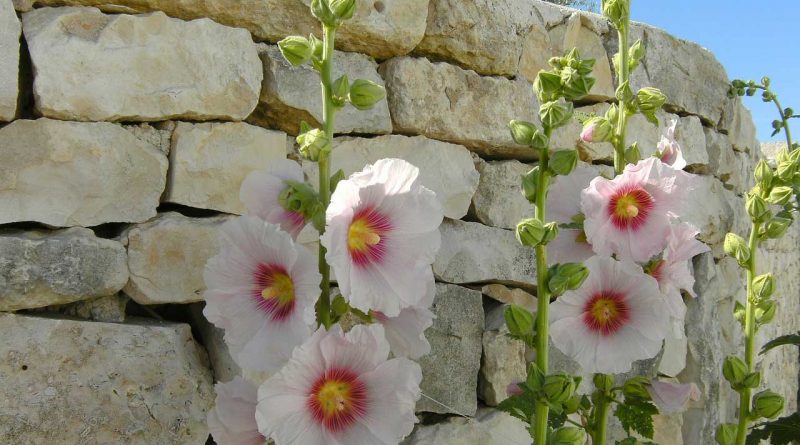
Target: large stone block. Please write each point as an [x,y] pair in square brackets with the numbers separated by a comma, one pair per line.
[445,102]
[209,161]
[286,98]
[9,53]
[382,29]
[212,337]
[489,427]
[40,269]
[503,363]
[74,381]
[499,202]
[92,66]
[450,371]
[166,257]
[77,174]
[711,209]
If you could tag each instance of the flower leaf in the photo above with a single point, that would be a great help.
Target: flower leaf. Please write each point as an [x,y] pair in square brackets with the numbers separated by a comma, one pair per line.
[790,339]
[777,432]
[637,415]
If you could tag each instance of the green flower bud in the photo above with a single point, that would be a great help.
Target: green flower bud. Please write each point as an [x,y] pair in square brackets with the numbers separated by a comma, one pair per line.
[540,141]
[519,320]
[763,286]
[554,114]
[522,132]
[341,90]
[566,436]
[624,93]
[547,86]
[617,12]
[767,404]
[597,129]
[757,208]
[558,388]
[736,247]
[734,370]
[577,87]
[636,387]
[364,94]
[726,434]
[635,55]
[321,9]
[765,312]
[296,50]
[339,306]
[336,178]
[650,99]
[752,380]
[563,162]
[312,142]
[763,174]
[572,405]
[612,113]
[529,183]
[550,232]
[299,197]
[780,195]
[567,276]
[343,9]
[632,153]
[765,81]
[777,227]
[739,313]
[530,232]
[786,170]
[603,382]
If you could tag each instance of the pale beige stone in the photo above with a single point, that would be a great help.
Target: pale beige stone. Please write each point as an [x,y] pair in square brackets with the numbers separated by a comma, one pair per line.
[489,427]
[212,337]
[508,295]
[91,66]
[209,161]
[502,364]
[158,135]
[88,382]
[109,309]
[499,202]
[77,174]
[10,29]
[166,257]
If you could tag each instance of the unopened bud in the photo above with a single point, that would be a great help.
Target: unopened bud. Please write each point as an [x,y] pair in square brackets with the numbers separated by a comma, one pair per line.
[343,9]
[734,370]
[736,247]
[567,436]
[767,404]
[780,195]
[633,155]
[636,54]
[530,232]
[563,162]
[757,208]
[650,99]
[321,9]
[567,276]
[617,12]
[597,129]
[603,382]
[558,388]
[519,320]
[522,132]
[777,227]
[530,181]
[763,286]
[547,86]
[765,312]
[752,380]
[636,387]
[726,434]
[550,232]
[786,169]
[312,142]
[555,114]
[364,94]
[340,91]
[763,174]
[296,50]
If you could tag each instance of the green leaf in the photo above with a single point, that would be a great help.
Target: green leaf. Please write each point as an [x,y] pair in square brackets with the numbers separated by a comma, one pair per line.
[637,416]
[790,339]
[781,431]
[522,406]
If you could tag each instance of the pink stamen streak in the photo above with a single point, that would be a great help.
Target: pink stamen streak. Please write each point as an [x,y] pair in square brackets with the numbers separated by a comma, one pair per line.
[264,277]
[629,207]
[337,399]
[606,312]
[377,223]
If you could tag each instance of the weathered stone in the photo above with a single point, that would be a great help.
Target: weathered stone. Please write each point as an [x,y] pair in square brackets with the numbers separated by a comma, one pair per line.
[45,268]
[77,174]
[447,169]
[450,371]
[73,381]
[770,150]
[212,337]
[286,98]
[92,66]
[445,102]
[668,429]
[690,136]
[382,29]
[158,135]
[109,309]
[166,257]
[209,161]
[474,253]
[489,427]
[742,130]
[674,359]
[498,201]
[505,294]
[502,364]
[711,209]
[721,158]
[9,53]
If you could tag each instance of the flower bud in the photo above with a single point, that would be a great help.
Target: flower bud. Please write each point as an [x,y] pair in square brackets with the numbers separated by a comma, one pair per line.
[636,387]
[522,132]
[767,404]
[296,50]
[726,434]
[563,162]
[777,227]
[633,155]
[786,170]
[530,232]
[603,382]
[763,286]
[312,142]
[752,380]
[650,99]
[555,114]
[757,208]
[567,276]
[739,313]
[636,54]
[321,9]
[765,312]
[519,320]
[763,174]
[550,232]
[577,87]
[340,91]
[540,140]
[780,195]
[617,12]
[299,197]
[558,388]
[364,94]
[572,405]
[734,370]
[567,436]
[343,9]
[597,129]
[339,306]
[529,183]
[547,86]
[736,247]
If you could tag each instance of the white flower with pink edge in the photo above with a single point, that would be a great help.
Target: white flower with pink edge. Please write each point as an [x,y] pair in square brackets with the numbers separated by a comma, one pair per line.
[669,151]
[232,421]
[564,207]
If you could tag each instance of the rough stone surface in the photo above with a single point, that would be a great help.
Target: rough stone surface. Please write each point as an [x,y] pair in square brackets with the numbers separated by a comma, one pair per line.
[474,253]
[109,309]
[447,169]
[712,209]
[10,29]
[213,339]
[73,382]
[166,257]
[92,66]
[721,157]
[489,427]
[286,98]
[209,161]
[158,135]
[508,295]
[45,268]
[742,129]
[450,371]
[77,174]
[674,359]
[498,202]
[502,364]
[445,102]
[382,29]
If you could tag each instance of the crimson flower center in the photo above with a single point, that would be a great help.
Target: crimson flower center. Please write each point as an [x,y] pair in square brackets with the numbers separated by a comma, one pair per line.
[366,236]
[629,207]
[337,399]
[274,291]
[606,313]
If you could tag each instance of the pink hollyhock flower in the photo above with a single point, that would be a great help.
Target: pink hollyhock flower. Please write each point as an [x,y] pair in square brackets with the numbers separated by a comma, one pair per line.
[671,398]
[630,215]
[406,332]
[615,318]
[669,151]
[261,191]
[588,132]
[564,207]
[340,389]
[232,421]
[382,235]
[261,288]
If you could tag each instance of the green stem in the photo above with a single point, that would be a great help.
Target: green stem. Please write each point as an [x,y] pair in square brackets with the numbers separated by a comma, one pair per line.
[785,120]
[622,115]
[328,116]
[601,421]
[542,295]
[749,335]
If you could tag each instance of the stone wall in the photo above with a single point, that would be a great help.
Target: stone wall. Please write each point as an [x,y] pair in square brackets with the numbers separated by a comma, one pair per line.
[129,128]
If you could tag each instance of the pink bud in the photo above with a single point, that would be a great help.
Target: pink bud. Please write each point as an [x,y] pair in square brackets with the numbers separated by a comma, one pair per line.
[513,390]
[588,132]
[672,397]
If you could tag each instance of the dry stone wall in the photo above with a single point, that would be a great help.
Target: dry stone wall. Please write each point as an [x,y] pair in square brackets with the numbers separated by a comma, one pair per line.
[127,126]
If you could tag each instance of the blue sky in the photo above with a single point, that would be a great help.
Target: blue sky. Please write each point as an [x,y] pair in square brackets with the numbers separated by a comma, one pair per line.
[750,38]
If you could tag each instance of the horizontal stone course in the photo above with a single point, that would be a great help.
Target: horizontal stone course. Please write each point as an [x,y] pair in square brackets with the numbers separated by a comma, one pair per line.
[10,29]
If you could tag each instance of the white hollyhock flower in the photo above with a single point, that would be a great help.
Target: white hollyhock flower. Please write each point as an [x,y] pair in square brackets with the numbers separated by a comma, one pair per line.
[406,332]
[616,317]
[261,190]
[232,421]
[339,389]
[261,289]
[381,237]
[564,207]
[669,151]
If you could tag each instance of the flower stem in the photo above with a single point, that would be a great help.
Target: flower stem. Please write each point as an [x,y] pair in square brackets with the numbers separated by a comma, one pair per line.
[328,116]
[785,120]
[542,295]
[601,421]
[622,116]
[749,334]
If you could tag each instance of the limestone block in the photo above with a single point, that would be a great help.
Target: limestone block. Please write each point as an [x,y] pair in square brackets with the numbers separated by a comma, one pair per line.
[73,381]
[40,269]
[489,427]
[711,209]
[508,295]
[445,102]
[95,67]
[286,98]
[158,135]
[502,364]
[742,130]
[109,309]
[450,371]
[9,53]
[499,201]
[474,253]
[209,161]
[166,257]
[212,337]
[721,158]
[77,174]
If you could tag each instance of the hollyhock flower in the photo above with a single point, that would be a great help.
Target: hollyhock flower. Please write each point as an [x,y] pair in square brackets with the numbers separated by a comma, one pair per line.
[671,398]
[564,207]
[406,332]
[669,151]
[630,215]
[261,191]
[340,389]
[615,318]
[382,234]
[261,288]
[232,421]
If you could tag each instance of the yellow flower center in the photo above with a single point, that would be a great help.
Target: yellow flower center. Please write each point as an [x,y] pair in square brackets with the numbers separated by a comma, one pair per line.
[604,311]
[361,236]
[281,290]
[335,397]
[627,207]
